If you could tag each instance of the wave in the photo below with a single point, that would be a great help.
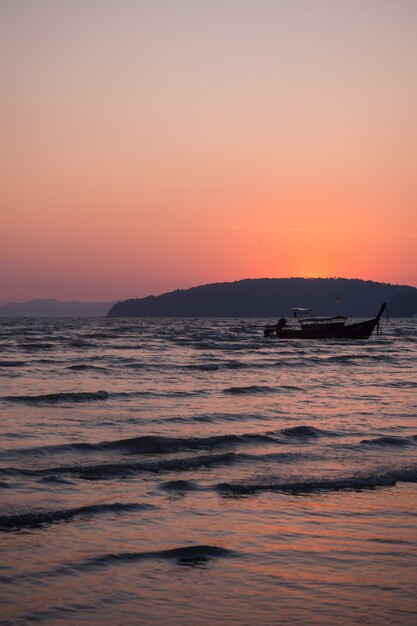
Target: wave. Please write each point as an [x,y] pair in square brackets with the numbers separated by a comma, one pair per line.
[402,384]
[341,359]
[81,343]
[90,396]
[261,389]
[132,346]
[100,335]
[84,367]
[111,471]
[33,346]
[46,361]
[207,367]
[233,365]
[348,358]
[305,432]
[12,363]
[121,470]
[249,389]
[391,441]
[157,444]
[160,445]
[217,345]
[136,366]
[80,396]
[213,418]
[184,555]
[352,483]
[38,519]
[202,367]
[179,486]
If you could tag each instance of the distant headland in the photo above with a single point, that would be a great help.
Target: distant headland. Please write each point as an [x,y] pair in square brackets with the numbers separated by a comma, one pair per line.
[269,297]
[55,308]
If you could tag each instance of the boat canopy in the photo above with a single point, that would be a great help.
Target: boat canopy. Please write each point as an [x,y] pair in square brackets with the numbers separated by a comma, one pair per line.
[298,311]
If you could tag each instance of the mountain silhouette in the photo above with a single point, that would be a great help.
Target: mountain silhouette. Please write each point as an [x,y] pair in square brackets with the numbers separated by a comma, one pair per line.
[55,308]
[271,297]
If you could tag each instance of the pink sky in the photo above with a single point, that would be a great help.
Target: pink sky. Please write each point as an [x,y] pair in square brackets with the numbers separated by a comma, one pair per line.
[154,145]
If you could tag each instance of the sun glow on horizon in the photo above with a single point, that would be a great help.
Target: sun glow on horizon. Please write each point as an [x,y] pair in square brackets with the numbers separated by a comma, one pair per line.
[156,146]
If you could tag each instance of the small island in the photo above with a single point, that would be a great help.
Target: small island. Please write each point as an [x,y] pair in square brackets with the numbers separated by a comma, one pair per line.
[269,297]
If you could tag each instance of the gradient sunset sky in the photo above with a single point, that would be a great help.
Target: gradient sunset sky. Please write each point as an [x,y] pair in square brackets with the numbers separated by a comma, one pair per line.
[160,144]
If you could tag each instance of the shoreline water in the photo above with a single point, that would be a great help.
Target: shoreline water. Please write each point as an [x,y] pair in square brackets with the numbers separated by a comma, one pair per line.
[199,474]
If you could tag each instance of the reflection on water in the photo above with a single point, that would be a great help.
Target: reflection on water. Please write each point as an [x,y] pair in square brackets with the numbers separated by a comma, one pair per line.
[192,471]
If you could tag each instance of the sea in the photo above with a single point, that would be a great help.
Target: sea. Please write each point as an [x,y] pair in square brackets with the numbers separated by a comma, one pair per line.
[194,472]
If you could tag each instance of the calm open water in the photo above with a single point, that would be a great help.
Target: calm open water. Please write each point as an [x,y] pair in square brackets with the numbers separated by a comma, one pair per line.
[193,472]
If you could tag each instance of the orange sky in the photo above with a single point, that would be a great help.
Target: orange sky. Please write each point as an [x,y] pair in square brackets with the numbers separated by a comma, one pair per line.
[150,145]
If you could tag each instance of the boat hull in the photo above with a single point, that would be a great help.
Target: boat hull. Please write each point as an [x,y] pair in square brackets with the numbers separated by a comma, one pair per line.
[360,330]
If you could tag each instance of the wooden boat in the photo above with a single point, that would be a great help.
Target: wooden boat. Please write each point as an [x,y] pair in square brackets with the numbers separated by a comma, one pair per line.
[324,327]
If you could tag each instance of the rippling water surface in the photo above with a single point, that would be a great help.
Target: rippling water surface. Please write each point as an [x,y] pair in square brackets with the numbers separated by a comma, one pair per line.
[193,472]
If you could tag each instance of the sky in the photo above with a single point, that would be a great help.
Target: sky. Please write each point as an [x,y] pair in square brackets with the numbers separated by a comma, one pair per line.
[149,145]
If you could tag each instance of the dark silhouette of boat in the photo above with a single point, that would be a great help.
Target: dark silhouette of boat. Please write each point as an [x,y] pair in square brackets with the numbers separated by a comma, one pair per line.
[324,327]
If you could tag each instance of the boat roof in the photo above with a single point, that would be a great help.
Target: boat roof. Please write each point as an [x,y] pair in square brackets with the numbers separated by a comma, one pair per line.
[300,310]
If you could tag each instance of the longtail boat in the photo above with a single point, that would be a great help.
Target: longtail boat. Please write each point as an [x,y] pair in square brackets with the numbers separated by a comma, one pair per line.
[324,327]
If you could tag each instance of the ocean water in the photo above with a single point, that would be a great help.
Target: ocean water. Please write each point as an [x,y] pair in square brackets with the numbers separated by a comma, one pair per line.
[184,471]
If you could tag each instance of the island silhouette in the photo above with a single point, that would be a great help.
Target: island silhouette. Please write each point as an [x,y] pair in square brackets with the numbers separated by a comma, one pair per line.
[269,297]
[44,307]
